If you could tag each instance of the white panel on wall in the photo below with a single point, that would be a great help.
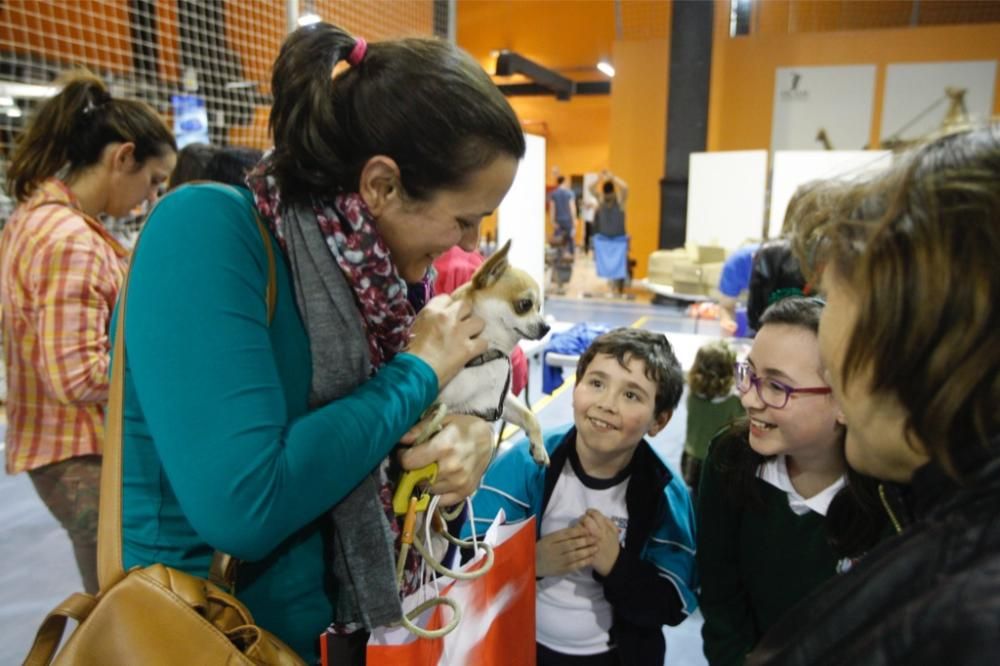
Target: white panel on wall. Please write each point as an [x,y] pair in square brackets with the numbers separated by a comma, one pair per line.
[916,103]
[837,100]
[726,197]
[521,215]
[797,167]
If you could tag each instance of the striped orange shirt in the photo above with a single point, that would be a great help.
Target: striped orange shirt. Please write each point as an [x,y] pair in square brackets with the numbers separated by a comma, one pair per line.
[60,272]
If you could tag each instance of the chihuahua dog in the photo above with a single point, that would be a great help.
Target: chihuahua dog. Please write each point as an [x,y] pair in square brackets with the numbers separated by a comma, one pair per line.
[508,300]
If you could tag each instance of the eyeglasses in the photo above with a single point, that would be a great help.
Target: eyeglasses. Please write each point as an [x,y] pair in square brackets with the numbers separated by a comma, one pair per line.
[771,392]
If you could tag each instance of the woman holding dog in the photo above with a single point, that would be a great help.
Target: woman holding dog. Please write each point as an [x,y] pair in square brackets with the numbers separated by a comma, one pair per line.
[911,338]
[265,436]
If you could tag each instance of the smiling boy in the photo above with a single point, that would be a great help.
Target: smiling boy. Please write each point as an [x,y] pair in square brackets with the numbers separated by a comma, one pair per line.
[615,551]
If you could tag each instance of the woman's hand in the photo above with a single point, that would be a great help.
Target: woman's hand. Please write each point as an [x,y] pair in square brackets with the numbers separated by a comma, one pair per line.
[446,335]
[462,450]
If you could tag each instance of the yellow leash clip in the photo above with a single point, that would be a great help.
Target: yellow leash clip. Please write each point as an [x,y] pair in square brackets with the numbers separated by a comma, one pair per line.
[409,480]
[408,483]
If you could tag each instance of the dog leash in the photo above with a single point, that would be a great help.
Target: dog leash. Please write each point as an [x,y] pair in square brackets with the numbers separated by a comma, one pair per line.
[410,499]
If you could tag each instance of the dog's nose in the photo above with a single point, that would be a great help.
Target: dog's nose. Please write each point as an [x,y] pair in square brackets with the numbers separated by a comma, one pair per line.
[542,330]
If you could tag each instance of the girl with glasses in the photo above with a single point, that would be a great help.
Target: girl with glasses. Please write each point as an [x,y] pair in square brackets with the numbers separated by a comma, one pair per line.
[775,492]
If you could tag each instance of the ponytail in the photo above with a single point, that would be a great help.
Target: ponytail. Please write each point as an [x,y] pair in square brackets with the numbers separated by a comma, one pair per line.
[73,127]
[309,154]
[422,102]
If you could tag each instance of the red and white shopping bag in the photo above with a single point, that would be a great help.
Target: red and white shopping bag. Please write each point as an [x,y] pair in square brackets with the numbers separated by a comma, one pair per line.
[498,612]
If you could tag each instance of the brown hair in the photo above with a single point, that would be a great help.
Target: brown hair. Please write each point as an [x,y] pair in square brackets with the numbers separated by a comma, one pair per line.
[423,102]
[711,376]
[919,248]
[812,202]
[73,127]
[653,350]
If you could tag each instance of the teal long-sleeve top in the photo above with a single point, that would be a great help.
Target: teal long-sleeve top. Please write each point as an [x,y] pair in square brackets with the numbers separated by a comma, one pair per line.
[221,451]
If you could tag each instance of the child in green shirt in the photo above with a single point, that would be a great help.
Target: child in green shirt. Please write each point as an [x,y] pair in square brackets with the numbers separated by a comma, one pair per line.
[711,405]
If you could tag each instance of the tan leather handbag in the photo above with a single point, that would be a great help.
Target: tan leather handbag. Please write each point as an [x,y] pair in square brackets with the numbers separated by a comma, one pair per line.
[153,615]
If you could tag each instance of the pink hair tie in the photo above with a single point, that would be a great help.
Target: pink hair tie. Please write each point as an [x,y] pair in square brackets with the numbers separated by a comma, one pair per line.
[358,52]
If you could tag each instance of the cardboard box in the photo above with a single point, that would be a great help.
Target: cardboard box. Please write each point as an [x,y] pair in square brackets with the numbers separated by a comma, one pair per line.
[709,254]
[661,265]
[687,272]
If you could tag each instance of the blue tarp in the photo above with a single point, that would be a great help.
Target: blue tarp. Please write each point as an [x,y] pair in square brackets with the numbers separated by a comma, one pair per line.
[611,256]
[572,342]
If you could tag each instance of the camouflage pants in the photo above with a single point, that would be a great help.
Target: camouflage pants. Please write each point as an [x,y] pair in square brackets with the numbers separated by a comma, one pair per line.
[69,489]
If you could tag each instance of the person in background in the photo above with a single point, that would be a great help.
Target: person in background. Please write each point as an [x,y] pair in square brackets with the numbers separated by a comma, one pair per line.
[269,436]
[589,210]
[192,162]
[222,164]
[778,510]
[911,340]
[711,405]
[232,164]
[610,239]
[733,283]
[84,154]
[775,272]
[562,214]
[615,552]
[600,187]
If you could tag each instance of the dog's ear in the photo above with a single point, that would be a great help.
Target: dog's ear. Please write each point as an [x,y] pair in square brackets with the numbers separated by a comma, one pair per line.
[487,274]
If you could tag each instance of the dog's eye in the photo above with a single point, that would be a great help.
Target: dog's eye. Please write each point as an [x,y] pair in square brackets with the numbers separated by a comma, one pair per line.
[523,305]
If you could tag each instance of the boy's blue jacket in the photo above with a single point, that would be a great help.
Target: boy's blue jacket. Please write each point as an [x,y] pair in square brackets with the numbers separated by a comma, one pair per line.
[654,579]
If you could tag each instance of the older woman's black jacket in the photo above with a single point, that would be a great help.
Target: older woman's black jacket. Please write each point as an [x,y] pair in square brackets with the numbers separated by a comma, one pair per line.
[928,596]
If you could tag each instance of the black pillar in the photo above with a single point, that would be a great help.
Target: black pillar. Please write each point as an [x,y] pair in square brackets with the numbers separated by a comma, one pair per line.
[687,111]
[145,53]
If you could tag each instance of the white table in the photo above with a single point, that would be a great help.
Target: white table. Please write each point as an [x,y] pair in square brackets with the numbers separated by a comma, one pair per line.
[667,291]
[685,346]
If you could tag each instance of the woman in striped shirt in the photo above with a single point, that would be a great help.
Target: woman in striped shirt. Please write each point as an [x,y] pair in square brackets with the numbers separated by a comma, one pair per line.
[84,154]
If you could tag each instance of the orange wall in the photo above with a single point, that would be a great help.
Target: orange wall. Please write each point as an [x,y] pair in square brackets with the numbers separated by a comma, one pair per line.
[576,132]
[638,138]
[565,36]
[742,87]
[625,131]
[560,35]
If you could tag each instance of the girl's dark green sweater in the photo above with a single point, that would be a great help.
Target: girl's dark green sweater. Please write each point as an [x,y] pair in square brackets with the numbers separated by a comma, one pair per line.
[755,561]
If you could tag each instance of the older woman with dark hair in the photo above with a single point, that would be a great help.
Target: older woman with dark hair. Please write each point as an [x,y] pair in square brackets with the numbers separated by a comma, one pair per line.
[911,336]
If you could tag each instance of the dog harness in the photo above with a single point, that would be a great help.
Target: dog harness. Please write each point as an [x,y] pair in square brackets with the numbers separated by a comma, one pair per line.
[489,356]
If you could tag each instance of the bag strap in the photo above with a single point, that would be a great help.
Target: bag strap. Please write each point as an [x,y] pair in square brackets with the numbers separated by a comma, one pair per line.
[76,607]
[109,528]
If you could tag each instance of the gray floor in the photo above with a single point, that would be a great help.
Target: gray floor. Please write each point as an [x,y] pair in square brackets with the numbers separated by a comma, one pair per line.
[38,571]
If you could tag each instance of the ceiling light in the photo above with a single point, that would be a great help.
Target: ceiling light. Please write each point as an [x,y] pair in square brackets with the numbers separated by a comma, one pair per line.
[13,112]
[606,68]
[26,90]
[309,18]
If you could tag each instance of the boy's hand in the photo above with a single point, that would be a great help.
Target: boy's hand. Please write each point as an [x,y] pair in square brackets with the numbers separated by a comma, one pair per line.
[606,534]
[564,551]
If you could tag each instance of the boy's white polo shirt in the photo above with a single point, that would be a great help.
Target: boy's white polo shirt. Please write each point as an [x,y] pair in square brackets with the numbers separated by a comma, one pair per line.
[571,614]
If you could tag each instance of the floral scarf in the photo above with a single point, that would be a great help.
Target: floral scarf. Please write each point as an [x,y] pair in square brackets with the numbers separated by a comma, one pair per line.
[349,229]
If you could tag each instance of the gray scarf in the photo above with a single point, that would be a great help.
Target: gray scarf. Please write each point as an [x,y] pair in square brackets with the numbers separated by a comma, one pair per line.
[363,554]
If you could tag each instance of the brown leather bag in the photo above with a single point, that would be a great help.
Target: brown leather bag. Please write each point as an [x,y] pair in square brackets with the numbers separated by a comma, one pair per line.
[153,615]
